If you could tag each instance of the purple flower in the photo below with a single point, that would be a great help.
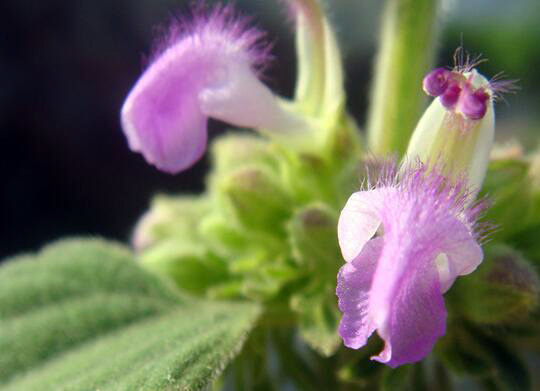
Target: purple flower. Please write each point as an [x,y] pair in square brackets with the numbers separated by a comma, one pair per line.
[207,67]
[405,241]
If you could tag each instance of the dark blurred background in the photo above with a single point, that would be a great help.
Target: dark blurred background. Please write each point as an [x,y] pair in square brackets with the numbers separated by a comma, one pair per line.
[66,66]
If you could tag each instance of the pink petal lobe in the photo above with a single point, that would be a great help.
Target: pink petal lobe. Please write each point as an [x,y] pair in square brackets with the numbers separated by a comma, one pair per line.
[354,282]
[417,319]
[461,255]
[161,116]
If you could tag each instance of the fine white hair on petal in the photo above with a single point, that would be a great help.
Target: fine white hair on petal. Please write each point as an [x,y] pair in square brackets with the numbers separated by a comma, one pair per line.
[219,25]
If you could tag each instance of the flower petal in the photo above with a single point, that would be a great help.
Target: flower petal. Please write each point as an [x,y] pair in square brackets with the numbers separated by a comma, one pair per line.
[354,282]
[161,116]
[237,96]
[461,255]
[359,220]
[416,321]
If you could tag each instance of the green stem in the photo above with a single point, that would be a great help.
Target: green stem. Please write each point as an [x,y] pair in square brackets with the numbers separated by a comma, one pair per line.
[407,49]
[311,60]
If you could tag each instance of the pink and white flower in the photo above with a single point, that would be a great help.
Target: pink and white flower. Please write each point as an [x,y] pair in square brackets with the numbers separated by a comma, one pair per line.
[405,241]
[206,67]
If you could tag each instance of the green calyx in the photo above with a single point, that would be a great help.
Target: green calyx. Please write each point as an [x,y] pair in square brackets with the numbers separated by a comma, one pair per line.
[265,230]
[503,290]
[513,179]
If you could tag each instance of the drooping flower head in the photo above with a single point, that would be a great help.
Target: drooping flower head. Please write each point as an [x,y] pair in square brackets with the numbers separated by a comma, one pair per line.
[393,282]
[206,67]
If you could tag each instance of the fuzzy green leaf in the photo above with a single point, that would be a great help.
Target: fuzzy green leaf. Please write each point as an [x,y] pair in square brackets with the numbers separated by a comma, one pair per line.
[82,315]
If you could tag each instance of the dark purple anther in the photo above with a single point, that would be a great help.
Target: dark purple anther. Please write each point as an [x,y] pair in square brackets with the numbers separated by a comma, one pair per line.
[436,82]
[451,95]
[473,104]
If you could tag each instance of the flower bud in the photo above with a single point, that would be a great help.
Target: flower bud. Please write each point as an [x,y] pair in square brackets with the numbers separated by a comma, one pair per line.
[312,232]
[256,199]
[169,217]
[190,266]
[507,184]
[318,318]
[457,129]
[513,179]
[233,150]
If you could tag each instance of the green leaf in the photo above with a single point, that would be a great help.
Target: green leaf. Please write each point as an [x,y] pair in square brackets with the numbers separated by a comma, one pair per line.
[82,315]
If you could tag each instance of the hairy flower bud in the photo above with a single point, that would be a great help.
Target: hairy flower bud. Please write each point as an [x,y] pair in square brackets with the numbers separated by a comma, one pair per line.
[256,199]
[457,129]
[169,217]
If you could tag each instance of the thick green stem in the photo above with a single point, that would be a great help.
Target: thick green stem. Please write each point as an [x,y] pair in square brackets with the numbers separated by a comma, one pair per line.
[407,48]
